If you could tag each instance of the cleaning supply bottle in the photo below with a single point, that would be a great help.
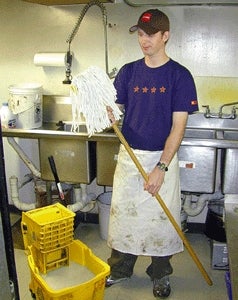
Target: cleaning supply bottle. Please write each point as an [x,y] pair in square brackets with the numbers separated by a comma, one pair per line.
[8,119]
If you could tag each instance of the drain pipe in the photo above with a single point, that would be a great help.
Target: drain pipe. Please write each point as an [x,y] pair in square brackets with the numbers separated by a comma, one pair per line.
[81,198]
[193,209]
[14,189]
[24,157]
[77,195]
[15,196]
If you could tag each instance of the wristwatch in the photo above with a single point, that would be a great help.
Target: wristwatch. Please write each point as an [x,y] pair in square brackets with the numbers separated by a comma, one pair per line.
[162,166]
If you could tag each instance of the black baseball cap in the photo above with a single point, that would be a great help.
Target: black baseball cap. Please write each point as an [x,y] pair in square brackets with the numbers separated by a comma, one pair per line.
[152,21]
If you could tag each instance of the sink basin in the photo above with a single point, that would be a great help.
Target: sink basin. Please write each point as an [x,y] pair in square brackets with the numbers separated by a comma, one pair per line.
[230,135]
[196,133]
[197,168]
[81,128]
[229,182]
[75,159]
[200,133]
[198,121]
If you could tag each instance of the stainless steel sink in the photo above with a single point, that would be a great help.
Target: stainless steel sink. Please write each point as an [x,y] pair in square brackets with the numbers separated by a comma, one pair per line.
[197,154]
[230,135]
[198,128]
[200,133]
[229,178]
[75,159]
[198,121]
[107,152]
[197,168]
[81,128]
[218,133]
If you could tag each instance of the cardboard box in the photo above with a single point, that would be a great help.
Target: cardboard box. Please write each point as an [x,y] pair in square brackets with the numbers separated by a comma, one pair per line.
[219,255]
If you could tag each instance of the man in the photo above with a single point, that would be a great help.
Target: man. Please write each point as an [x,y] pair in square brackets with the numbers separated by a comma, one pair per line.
[156,95]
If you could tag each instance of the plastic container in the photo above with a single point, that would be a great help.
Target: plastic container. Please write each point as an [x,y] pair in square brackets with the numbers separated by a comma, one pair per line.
[92,289]
[26,101]
[214,225]
[48,261]
[104,206]
[8,119]
[48,228]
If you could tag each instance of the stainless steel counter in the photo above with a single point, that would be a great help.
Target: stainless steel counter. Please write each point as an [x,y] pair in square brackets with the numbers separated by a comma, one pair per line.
[50,130]
[231,225]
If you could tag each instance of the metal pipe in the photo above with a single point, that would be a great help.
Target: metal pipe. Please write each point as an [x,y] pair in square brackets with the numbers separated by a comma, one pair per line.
[6,224]
[80,19]
[130,3]
[226,104]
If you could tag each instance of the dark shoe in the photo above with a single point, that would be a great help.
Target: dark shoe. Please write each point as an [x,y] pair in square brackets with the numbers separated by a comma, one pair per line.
[110,280]
[161,287]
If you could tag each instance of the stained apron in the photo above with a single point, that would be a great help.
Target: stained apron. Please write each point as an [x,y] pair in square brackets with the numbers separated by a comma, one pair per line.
[138,224]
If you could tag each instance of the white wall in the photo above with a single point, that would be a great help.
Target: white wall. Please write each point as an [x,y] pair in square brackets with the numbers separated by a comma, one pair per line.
[203,38]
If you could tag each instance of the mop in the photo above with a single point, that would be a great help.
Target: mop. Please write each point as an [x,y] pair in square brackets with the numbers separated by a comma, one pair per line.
[91,92]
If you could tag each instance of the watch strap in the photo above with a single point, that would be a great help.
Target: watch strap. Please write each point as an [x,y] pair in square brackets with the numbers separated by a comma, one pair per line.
[162,166]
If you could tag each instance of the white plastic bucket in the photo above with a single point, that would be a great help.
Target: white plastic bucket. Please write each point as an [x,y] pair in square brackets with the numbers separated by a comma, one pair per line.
[26,101]
[104,206]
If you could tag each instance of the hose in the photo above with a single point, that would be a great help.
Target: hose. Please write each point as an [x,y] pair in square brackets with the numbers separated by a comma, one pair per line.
[80,19]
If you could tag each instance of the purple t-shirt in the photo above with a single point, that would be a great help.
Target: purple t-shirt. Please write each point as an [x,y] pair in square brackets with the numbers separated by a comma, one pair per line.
[150,96]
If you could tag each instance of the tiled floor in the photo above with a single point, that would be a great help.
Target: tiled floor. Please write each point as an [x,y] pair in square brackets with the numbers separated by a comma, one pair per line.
[187,282]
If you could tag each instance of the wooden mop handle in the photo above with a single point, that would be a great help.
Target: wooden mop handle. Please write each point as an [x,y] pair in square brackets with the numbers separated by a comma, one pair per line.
[166,210]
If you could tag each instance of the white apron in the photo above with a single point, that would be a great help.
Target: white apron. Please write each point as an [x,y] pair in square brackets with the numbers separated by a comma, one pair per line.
[138,224]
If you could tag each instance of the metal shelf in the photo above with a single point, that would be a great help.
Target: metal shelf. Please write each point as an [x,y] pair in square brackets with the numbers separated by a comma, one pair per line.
[63,2]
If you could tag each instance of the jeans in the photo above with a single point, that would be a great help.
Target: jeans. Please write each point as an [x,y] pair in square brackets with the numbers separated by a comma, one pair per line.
[122,265]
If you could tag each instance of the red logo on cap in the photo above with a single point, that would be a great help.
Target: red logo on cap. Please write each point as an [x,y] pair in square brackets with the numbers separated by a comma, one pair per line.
[146,17]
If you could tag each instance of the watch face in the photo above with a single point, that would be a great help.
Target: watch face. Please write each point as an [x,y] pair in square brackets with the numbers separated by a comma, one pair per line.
[162,166]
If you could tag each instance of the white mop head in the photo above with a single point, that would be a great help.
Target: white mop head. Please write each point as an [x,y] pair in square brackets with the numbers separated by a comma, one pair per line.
[91,92]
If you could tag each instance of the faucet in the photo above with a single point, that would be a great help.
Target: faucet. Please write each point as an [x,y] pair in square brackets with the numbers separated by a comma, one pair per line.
[68,77]
[220,114]
[98,3]
[208,113]
[233,111]
[75,30]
